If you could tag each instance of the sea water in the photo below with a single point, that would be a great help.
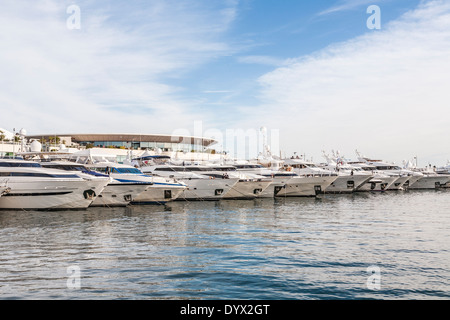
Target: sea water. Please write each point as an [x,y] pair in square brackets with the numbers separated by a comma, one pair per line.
[392,245]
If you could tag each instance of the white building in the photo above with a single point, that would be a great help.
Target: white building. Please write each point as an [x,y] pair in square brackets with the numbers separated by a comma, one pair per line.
[186,148]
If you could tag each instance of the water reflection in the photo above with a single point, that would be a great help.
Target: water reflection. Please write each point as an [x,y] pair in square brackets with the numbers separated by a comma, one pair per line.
[288,248]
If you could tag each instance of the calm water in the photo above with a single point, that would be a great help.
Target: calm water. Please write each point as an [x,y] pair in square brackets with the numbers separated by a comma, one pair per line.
[263,249]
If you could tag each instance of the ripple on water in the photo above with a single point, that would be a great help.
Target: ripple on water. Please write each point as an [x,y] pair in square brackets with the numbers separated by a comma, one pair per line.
[264,249]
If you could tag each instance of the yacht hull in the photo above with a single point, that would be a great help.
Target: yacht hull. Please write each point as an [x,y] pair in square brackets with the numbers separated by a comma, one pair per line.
[274,187]
[430,182]
[119,194]
[399,183]
[246,190]
[158,193]
[303,186]
[347,183]
[447,184]
[378,184]
[411,181]
[55,194]
[206,189]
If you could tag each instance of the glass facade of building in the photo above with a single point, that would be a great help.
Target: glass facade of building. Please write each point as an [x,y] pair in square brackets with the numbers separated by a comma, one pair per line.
[171,147]
[151,142]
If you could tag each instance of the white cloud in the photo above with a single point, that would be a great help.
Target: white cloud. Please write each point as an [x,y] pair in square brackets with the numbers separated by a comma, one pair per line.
[345,5]
[264,60]
[385,93]
[111,75]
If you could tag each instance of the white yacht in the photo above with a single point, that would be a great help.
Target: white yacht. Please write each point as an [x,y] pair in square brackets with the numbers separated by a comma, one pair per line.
[115,193]
[149,189]
[33,187]
[278,178]
[445,170]
[430,178]
[350,178]
[310,180]
[249,185]
[130,184]
[379,182]
[201,187]
[289,183]
[297,178]
[405,177]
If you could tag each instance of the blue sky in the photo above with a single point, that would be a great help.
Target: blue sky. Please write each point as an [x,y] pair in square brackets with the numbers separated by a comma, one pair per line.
[267,33]
[310,69]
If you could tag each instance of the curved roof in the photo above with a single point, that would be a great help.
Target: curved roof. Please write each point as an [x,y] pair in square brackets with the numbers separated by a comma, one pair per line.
[126,137]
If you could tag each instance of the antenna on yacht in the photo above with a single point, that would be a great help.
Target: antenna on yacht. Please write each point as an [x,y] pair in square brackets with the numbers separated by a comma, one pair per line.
[324,154]
[14,142]
[263,130]
[360,156]
[22,134]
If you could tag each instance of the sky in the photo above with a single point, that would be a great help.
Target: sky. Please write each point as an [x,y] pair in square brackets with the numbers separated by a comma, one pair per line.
[311,72]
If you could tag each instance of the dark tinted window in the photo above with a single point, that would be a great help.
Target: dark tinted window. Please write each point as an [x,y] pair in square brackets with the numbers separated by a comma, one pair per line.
[36,174]
[19,164]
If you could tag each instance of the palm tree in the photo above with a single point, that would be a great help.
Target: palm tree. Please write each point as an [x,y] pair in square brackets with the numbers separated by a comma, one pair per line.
[2,137]
[54,140]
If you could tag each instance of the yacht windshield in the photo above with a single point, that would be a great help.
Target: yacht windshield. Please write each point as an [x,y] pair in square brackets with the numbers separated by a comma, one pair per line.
[224,168]
[170,169]
[19,164]
[37,174]
[117,170]
[194,169]
[248,166]
[127,170]
[66,167]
